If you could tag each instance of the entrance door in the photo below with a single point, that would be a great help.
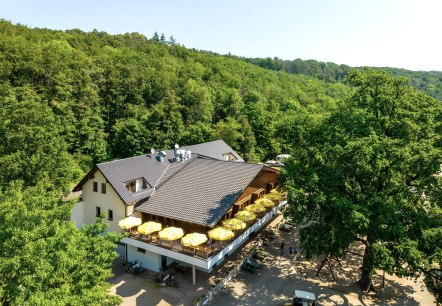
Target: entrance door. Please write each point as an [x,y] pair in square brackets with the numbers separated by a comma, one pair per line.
[163,262]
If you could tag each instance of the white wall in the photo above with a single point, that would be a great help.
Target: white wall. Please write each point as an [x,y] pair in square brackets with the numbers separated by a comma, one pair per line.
[107,201]
[121,250]
[149,260]
[78,214]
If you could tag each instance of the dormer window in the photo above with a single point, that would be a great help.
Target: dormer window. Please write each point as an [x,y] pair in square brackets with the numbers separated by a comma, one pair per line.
[136,185]
[229,156]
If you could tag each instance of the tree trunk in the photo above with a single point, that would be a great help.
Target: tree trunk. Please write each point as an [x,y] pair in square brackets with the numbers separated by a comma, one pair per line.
[365,281]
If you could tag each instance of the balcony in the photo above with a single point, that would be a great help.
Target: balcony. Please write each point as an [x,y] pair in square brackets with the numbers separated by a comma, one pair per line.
[204,256]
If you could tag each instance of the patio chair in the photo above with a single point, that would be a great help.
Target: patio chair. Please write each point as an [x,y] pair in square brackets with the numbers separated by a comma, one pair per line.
[189,250]
[135,234]
[177,247]
[154,239]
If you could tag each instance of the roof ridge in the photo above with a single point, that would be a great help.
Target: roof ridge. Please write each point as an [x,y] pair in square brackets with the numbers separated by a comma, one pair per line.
[197,144]
[192,159]
[162,174]
[121,159]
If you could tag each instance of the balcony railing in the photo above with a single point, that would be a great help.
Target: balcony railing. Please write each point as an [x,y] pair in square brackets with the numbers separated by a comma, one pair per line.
[216,248]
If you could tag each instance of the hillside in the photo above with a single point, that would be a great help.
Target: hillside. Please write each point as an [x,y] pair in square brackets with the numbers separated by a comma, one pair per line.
[428,81]
[70,99]
[93,97]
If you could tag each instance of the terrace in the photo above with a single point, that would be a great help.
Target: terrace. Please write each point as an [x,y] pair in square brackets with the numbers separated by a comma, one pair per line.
[208,254]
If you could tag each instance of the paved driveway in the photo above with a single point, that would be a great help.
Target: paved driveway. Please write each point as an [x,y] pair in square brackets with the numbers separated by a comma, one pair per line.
[144,290]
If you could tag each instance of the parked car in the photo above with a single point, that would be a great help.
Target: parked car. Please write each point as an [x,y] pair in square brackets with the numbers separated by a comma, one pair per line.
[271,163]
[282,157]
[251,266]
[304,298]
[286,227]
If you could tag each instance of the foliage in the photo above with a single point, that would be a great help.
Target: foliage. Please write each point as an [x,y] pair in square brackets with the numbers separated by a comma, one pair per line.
[46,260]
[70,99]
[368,172]
[428,81]
[32,146]
[92,83]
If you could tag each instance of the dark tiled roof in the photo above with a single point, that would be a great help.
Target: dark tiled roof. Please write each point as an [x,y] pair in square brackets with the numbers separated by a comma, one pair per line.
[120,171]
[214,149]
[201,192]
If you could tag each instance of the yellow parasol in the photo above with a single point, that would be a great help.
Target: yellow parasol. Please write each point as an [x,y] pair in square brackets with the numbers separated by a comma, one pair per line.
[129,222]
[220,233]
[274,195]
[265,202]
[234,224]
[245,215]
[193,240]
[255,208]
[149,227]
[171,234]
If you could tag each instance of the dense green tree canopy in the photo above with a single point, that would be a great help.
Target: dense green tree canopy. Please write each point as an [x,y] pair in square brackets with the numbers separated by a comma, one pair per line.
[428,81]
[32,146]
[45,259]
[70,99]
[369,172]
[92,83]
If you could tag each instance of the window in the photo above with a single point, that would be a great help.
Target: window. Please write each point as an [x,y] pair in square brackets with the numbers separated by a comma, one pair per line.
[95,186]
[141,250]
[136,185]
[229,156]
[110,215]
[103,188]
[97,211]
[131,186]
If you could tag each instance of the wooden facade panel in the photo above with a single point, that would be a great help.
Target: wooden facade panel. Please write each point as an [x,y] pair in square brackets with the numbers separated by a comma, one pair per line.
[261,181]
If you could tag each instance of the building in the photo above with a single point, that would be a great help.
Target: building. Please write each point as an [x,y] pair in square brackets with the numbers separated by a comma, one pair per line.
[194,188]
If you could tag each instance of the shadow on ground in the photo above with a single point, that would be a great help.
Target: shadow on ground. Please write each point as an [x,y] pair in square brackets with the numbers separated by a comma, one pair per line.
[273,285]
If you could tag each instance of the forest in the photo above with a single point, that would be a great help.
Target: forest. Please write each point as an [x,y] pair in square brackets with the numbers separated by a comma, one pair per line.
[428,81]
[71,99]
[94,97]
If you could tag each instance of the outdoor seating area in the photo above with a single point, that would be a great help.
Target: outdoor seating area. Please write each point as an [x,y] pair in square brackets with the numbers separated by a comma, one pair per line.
[202,244]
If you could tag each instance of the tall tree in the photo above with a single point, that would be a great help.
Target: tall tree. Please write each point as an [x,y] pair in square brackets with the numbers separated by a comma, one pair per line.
[155,36]
[31,145]
[129,139]
[164,125]
[45,259]
[229,131]
[368,172]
